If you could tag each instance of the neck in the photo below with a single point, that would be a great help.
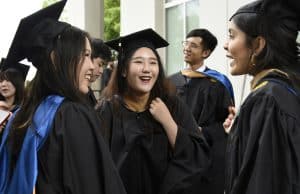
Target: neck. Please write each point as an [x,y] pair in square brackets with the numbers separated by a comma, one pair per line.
[137,103]
[196,66]
[9,101]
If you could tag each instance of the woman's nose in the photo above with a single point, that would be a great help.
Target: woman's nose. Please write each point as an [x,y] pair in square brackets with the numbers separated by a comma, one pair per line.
[146,66]
[92,65]
[225,46]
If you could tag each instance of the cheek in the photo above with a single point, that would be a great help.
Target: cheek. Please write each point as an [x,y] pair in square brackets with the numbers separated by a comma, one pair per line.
[233,47]
[156,72]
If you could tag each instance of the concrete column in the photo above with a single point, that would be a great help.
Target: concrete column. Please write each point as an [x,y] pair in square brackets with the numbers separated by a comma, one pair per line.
[94,24]
[94,17]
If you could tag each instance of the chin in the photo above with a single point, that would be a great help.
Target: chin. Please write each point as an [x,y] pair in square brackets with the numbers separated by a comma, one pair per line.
[186,60]
[84,90]
[234,71]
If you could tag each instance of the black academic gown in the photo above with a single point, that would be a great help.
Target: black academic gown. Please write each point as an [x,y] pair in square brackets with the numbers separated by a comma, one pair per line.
[105,77]
[75,159]
[208,100]
[91,98]
[264,143]
[142,153]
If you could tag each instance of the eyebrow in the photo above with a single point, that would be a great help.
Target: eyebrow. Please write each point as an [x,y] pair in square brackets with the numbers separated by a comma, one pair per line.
[152,58]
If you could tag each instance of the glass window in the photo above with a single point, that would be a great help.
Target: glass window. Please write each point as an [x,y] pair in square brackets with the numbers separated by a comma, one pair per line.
[174,34]
[192,16]
[180,19]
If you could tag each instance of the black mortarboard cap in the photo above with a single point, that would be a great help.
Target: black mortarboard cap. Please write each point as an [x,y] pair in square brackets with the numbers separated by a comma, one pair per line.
[144,38]
[285,11]
[20,67]
[27,34]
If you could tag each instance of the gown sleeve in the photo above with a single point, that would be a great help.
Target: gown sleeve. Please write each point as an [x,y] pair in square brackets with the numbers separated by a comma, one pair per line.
[214,112]
[190,157]
[264,147]
[74,158]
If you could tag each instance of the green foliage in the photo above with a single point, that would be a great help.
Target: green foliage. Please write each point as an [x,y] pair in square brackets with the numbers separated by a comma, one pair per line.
[111,19]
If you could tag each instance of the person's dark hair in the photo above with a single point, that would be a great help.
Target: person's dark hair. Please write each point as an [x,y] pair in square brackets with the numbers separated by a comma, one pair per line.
[118,84]
[57,74]
[16,78]
[209,41]
[281,49]
[100,49]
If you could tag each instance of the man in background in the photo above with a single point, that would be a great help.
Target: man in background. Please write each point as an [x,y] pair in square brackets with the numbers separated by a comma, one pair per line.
[101,55]
[209,94]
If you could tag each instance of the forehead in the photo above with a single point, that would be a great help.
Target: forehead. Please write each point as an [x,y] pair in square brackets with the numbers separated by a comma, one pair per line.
[195,39]
[232,27]
[144,51]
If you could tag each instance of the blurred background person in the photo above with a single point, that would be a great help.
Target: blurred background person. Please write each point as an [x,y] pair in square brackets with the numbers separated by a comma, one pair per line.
[12,83]
[101,55]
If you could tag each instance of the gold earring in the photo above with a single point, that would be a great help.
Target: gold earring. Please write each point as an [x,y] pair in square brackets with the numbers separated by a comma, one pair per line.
[253,60]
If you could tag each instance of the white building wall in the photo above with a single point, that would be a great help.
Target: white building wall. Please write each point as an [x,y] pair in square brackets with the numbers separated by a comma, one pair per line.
[215,18]
[137,14]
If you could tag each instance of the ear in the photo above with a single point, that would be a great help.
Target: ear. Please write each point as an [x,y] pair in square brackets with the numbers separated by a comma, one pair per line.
[259,44]
[206,53]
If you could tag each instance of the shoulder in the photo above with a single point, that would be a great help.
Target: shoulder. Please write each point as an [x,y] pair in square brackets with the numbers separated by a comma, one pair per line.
[69,106]
[73,111]
[277,96]
[175,104]
[175,77]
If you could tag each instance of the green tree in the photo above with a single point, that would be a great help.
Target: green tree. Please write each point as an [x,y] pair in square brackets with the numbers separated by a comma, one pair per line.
[111,19]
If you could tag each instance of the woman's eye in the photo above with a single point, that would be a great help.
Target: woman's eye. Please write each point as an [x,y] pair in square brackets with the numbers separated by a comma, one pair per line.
[153,62]
[138,61]
[231,36]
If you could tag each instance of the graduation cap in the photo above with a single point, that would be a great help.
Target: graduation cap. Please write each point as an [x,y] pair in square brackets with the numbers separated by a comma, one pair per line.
[36,30]
[144,38]
[20,67]
[287,11]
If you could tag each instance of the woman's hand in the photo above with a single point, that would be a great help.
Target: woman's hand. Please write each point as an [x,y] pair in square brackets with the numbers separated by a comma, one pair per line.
[230,119]
[161,113]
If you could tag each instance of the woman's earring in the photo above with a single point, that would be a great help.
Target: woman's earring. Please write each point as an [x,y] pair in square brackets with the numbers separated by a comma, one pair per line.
[253,60]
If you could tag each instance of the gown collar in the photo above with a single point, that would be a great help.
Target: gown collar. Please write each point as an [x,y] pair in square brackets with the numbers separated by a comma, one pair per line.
[256,81]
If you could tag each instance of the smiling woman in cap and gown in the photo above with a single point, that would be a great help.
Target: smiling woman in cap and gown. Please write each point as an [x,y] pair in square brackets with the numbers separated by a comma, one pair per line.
[53,141]
[153,138]
[263,152]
